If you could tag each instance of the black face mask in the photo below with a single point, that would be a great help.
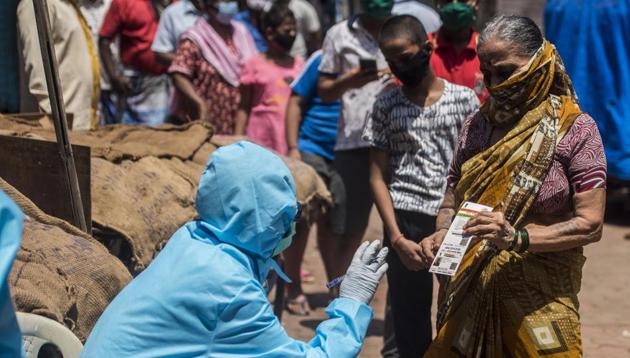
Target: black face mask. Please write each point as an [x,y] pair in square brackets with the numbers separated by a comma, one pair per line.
[414,70]
[284,40]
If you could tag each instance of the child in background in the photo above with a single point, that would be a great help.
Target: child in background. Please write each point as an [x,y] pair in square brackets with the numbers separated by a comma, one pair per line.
[265,82]
[412,132]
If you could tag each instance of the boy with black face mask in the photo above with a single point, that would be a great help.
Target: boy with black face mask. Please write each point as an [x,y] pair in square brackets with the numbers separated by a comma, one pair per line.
[412,131]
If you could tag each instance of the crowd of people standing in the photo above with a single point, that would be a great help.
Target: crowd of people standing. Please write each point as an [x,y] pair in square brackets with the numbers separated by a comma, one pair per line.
[399,106]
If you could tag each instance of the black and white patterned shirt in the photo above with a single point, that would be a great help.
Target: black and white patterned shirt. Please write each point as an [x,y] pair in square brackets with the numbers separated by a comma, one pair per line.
[420,142]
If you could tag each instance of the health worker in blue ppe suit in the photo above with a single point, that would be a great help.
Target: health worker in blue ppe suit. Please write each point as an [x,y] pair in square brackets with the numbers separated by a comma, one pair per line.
[203,296]
[11,221]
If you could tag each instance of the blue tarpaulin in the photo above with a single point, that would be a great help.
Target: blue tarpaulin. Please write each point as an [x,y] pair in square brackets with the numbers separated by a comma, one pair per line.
[11,219]
[593,38]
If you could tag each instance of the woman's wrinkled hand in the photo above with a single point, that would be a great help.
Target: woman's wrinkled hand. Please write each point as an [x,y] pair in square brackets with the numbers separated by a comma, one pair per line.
[491,226]
[409,253]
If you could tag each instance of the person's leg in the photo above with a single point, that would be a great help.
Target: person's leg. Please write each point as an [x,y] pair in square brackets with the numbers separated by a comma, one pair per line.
[327,242]
[296,301]
[353,167]
[410,292]
[390,348]
[332,224]
[293,256]
[107,106]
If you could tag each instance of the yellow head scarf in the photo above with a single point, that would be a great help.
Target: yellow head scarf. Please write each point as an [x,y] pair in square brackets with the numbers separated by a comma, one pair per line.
[541,99]
[526,89]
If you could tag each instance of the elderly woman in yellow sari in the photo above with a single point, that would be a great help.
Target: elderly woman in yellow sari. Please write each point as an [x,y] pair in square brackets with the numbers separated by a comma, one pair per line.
[532,155]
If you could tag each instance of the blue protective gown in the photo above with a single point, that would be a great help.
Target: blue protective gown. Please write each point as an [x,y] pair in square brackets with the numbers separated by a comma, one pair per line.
[11,220]
[203,296]
[593,38]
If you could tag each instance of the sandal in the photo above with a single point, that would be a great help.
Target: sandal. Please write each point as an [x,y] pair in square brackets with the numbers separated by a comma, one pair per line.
[298,306]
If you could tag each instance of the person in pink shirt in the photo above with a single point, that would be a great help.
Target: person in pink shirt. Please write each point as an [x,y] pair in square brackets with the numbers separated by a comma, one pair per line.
[265,82]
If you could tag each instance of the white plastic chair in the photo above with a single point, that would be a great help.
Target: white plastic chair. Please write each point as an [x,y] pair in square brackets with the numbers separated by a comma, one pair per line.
[37,331]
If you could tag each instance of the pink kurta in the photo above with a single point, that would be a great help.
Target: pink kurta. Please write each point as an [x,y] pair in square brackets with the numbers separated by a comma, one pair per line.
[271,90]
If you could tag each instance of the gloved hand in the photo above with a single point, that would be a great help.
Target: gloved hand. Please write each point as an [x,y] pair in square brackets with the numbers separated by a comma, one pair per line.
[366,270]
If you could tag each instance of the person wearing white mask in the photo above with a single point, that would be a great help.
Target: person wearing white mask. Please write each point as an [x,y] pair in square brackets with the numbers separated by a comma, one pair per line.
[207,67]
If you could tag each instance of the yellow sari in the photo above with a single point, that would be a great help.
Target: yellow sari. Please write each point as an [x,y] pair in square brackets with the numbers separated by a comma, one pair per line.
[503,303]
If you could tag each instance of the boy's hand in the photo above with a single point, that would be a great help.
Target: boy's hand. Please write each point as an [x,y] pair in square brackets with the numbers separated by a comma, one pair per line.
[409,253]
[431,244]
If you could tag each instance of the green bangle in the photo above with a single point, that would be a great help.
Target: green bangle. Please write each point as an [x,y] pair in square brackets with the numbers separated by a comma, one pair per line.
[525,244]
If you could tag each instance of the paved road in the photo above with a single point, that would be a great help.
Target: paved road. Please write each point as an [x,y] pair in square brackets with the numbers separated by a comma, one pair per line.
[605,295]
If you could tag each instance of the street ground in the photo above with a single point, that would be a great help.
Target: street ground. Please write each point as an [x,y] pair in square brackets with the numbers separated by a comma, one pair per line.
[605,295]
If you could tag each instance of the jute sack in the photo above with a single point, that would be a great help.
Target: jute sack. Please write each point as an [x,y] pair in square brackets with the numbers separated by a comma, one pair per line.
[141,203]
[62,273]
[119,142]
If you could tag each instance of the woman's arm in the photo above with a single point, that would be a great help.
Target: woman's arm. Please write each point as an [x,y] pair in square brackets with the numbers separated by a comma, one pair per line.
[583,228]
[445,215]
[242,115]
[294,118]
[185,87]
[407,250]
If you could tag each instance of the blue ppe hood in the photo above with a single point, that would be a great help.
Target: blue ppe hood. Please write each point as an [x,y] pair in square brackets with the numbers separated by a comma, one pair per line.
[246,198]
[11,220]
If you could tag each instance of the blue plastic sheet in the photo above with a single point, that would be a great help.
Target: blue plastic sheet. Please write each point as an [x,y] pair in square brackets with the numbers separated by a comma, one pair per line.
[593,38]
[11,220]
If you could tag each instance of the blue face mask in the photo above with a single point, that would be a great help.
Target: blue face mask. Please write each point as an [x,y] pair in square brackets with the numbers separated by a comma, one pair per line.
[285,242]
[227,10]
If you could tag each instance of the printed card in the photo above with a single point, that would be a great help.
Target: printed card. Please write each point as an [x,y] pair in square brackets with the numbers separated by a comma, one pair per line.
[454,246]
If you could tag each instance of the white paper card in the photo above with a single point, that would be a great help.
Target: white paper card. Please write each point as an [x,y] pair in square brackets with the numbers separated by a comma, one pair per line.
[454,246]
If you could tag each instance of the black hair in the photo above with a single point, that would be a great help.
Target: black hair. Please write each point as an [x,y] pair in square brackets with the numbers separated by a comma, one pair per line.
[403,26]
[276,15]
[520,31]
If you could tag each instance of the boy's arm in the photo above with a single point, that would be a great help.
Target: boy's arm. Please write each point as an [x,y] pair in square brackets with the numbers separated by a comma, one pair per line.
[294,118]
[407,250]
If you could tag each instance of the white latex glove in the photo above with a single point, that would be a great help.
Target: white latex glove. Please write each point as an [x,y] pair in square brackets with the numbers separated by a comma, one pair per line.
[365,272]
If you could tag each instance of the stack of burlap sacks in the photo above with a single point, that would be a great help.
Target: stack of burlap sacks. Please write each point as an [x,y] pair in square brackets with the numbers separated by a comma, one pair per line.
[143,188]
[60,272]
